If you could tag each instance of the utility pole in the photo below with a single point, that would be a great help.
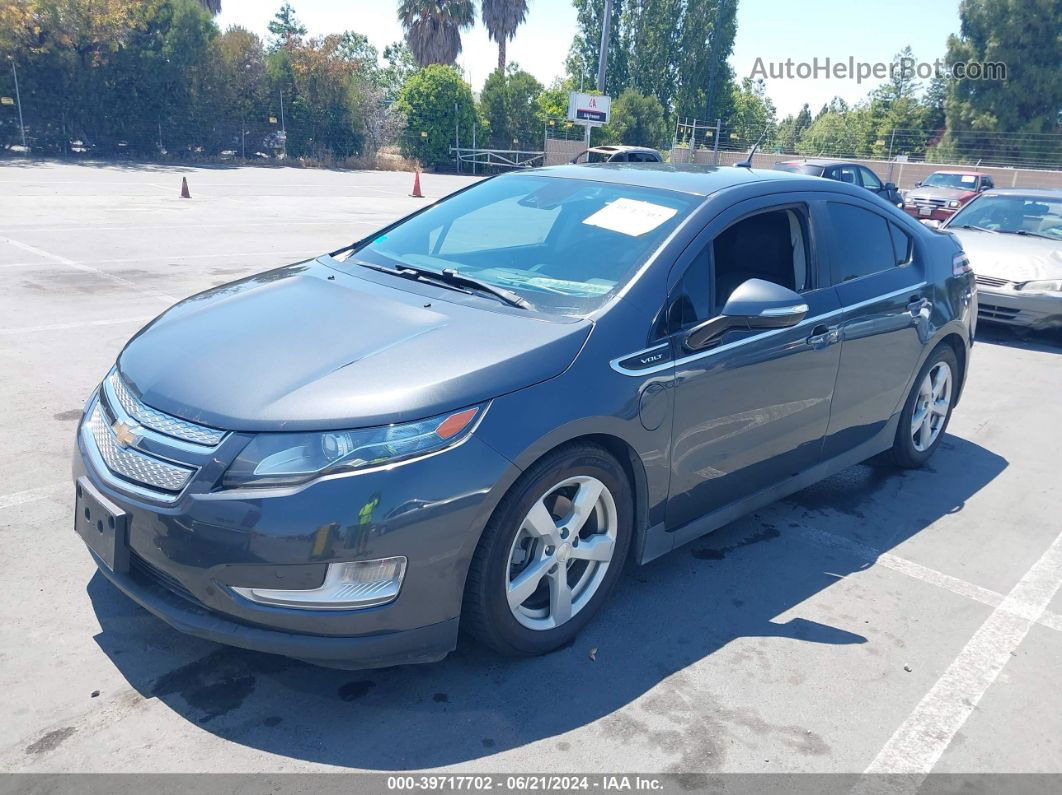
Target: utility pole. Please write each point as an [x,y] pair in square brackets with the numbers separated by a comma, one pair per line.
[602,53]
[18,99]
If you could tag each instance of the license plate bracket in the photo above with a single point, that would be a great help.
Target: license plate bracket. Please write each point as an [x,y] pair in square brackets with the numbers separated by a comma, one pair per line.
[102,525]
[925,210]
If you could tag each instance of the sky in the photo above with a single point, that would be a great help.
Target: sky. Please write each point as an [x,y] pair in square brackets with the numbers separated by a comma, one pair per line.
[773,30]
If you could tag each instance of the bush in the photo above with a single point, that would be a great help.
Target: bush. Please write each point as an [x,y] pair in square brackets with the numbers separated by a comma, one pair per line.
[437,104]
[637,120]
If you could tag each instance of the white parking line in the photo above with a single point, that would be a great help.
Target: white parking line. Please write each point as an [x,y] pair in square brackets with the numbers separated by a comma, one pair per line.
[30,495]
[83,324]
[920,741]
[40,252]
[922,573]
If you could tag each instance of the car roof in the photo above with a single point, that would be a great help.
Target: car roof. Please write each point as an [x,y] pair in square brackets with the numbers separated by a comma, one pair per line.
[820,161]
[613,148]
[959,171]
[691,178]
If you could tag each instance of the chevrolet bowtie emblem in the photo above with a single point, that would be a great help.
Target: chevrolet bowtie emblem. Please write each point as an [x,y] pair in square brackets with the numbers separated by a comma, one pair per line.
[125,434]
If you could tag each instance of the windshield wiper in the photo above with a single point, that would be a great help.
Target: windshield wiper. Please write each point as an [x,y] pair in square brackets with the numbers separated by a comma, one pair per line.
[978,228]
[1027,233]
[452,279]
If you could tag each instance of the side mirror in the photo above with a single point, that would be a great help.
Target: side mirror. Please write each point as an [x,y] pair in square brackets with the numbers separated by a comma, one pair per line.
[890,186]
[755,304]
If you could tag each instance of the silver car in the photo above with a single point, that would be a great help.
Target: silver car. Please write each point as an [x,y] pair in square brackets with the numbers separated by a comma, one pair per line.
[1013,238]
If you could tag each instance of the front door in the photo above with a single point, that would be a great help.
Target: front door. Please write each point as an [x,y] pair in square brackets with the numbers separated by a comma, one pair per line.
[753,410]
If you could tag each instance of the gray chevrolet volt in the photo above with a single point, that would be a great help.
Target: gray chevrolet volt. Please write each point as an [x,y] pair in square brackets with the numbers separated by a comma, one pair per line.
[475,417]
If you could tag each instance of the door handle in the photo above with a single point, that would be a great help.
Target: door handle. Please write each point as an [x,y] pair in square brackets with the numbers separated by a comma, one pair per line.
[823,335]
[917,304]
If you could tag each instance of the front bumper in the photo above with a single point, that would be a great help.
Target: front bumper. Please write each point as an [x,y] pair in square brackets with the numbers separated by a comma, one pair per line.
[1012,307]
[184,555]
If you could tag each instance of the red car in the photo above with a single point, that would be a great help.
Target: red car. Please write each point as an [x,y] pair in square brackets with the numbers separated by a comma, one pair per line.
[940,195]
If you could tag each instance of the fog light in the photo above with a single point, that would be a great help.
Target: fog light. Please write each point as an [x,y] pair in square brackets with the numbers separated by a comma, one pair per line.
[346,586]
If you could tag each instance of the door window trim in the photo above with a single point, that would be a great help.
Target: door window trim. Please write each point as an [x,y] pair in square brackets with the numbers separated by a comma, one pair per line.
[617,363]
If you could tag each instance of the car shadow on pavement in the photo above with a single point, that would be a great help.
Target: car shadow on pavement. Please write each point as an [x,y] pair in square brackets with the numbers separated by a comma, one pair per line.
[1047,341]
[662,618]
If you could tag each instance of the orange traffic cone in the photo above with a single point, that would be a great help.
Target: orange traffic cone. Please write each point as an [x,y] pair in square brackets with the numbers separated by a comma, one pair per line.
[416,194]
[184,188]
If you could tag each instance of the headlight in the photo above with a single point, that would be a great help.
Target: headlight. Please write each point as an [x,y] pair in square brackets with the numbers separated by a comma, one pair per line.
[954,203]
[273,459]
[1048,286]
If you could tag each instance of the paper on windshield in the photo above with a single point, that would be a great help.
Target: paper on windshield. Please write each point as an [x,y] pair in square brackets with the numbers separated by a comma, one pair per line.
[631,216]
[969,178]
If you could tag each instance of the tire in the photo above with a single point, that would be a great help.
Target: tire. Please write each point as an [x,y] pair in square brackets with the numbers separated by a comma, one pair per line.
[914,446]
[513,545]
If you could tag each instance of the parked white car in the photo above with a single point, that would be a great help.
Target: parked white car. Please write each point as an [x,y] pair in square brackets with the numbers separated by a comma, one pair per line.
[1013,238]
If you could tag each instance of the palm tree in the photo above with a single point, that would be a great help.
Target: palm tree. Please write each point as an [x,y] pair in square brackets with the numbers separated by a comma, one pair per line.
[502,18]
[433,28]
[213,6]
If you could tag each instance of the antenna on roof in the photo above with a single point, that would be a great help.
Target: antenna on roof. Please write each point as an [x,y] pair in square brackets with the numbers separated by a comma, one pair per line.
[747,162]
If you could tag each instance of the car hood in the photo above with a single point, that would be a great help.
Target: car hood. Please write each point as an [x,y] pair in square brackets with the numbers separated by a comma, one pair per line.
[308,347]
[926,192]
[1016,258]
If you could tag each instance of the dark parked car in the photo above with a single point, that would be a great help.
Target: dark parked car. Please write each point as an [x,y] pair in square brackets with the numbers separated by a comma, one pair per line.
[476,415]
[942,193]
[852,173]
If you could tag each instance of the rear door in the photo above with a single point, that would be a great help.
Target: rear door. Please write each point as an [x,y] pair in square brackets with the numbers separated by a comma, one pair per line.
[885,301]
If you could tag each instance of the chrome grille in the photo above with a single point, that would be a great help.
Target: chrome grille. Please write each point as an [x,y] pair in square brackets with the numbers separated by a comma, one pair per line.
[157,421]
[991,281]
[133,465]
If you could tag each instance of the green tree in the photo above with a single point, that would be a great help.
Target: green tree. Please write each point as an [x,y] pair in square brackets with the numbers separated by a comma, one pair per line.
[637,120]
[509,108]
[790,129]
[437,104]
[582,58]
[501,19]
[753,114]
[840,131]
[705,43]
[433,28]
[284,27]
[400,65]
[1006,120]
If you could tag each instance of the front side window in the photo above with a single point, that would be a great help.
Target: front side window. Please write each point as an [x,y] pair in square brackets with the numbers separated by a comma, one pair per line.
[772,246]
[565,245]
[845,174]
[861,243]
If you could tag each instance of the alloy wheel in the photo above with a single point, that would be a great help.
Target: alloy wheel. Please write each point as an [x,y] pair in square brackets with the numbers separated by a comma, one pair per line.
[561,552]
[931,407]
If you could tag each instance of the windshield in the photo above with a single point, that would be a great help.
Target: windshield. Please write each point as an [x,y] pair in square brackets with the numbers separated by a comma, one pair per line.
[799,168]
[566,245]
[1014,214]
[939,180]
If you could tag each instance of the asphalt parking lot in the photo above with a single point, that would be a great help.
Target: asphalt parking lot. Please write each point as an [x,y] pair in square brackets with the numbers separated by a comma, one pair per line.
[881,620]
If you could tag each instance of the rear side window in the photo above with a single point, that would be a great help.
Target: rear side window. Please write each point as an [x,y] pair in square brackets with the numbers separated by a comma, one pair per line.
[861,243]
